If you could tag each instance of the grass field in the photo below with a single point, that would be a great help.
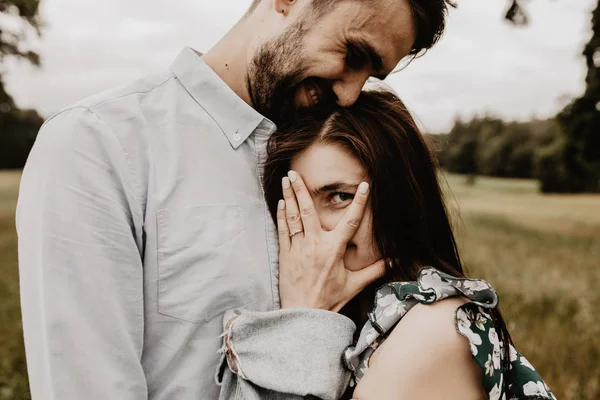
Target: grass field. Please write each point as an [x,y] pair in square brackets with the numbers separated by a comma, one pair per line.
[13,381]
[540,252]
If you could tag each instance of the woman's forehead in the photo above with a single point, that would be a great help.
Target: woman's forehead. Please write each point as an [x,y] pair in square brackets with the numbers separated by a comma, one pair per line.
[323,164]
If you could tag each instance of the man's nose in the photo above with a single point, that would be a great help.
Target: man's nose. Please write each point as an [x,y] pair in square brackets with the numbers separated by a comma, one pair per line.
[348,88]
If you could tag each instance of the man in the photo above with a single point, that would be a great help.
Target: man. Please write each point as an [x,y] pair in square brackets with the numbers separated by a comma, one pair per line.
[141,218]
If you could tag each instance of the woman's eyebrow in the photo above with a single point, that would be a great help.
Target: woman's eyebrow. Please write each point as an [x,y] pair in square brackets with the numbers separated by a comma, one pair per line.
[334,186]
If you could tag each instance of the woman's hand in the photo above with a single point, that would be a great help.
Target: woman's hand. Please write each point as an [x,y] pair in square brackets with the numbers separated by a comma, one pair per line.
[311,266]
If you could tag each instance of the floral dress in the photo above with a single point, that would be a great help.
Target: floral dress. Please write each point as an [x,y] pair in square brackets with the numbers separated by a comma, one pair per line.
[473,321]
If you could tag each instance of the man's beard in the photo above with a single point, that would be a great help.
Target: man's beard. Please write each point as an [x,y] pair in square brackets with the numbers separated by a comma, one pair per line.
[275,72]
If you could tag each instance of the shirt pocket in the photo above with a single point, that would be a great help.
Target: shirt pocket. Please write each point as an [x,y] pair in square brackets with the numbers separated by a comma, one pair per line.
[198,277]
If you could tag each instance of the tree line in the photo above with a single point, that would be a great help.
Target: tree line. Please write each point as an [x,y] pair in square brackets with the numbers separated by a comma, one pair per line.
[563,152]
[18,128]
[490,146]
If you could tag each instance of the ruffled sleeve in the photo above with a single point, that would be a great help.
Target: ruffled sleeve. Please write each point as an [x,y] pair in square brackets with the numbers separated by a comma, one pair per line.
[473,321]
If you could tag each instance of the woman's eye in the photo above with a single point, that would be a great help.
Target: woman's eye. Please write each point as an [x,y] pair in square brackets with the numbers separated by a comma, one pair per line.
[341,198]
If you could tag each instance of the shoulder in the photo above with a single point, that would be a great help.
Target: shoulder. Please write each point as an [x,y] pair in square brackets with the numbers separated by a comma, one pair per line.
[433,319]
[76,152]
[430,331]
[112,104]
[110,125]
[142,86]
[424,357]
[75,128]
[76,137]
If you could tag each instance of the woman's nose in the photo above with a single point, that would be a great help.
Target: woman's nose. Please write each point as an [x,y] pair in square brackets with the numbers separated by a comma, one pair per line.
[329,221]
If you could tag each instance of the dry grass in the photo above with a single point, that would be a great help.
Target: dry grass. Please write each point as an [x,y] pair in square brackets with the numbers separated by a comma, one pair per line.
[13,375]
[540,252]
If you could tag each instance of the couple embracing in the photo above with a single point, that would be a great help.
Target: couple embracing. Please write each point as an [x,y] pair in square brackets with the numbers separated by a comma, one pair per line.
[252,224]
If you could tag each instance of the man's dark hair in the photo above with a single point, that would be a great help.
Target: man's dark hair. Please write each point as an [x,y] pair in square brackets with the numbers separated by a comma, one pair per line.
[430,22]
[429,18]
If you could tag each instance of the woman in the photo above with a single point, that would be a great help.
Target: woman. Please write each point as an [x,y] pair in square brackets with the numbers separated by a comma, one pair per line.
[429,332]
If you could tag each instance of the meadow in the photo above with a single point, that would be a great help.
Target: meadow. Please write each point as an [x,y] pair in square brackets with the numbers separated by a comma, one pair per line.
[541,253]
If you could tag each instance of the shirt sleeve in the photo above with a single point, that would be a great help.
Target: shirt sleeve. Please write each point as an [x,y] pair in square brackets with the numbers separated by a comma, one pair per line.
[80,261]
[297,352]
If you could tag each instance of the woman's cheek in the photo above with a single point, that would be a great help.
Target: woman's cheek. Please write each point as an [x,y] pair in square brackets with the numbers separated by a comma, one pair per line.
[330,218]
[368,246]
[352,260]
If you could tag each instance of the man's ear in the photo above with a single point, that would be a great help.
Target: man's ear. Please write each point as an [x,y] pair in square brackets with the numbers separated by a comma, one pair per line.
[283,6]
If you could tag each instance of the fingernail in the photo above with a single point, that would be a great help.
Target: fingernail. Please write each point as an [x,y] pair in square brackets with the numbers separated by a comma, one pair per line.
[281,204]
[293,176]
[285,182]
[363,188]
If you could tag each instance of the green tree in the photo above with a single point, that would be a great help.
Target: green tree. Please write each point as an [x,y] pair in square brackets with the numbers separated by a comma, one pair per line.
[18,128]
[581,123]
[490,146]
[13,41]
[460,152]
[572,163]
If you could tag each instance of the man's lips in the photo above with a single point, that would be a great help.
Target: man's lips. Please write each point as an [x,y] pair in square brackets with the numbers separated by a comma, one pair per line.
[311,92]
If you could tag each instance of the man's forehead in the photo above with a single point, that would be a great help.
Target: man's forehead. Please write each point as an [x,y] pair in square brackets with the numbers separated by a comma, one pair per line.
[389,28]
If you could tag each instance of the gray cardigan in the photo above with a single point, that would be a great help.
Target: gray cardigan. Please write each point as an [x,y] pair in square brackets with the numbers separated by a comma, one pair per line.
[284,354]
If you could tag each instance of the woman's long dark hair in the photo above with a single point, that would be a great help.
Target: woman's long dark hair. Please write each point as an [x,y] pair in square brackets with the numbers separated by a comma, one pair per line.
[411,227]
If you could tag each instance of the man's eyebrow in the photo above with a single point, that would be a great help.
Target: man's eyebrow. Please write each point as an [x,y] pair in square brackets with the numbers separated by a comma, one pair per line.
[333,187]
[374,57]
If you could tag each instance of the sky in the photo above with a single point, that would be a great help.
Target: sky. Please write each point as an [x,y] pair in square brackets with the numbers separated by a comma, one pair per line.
[481,65]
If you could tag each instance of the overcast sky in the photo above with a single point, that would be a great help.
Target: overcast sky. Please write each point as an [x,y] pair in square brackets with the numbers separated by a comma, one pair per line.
[481,65]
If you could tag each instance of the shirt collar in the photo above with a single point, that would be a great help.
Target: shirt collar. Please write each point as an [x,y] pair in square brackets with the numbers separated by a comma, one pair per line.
[234,116]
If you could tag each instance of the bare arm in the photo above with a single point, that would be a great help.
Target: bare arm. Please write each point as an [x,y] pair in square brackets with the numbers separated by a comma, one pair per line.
[423,358]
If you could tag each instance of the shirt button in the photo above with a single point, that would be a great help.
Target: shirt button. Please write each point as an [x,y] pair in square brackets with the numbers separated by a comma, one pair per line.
[237,137]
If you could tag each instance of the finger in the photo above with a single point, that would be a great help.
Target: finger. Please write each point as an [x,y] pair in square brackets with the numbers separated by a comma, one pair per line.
[292,212]
[282,227]
[351,220]
[360,279]
[310,219]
